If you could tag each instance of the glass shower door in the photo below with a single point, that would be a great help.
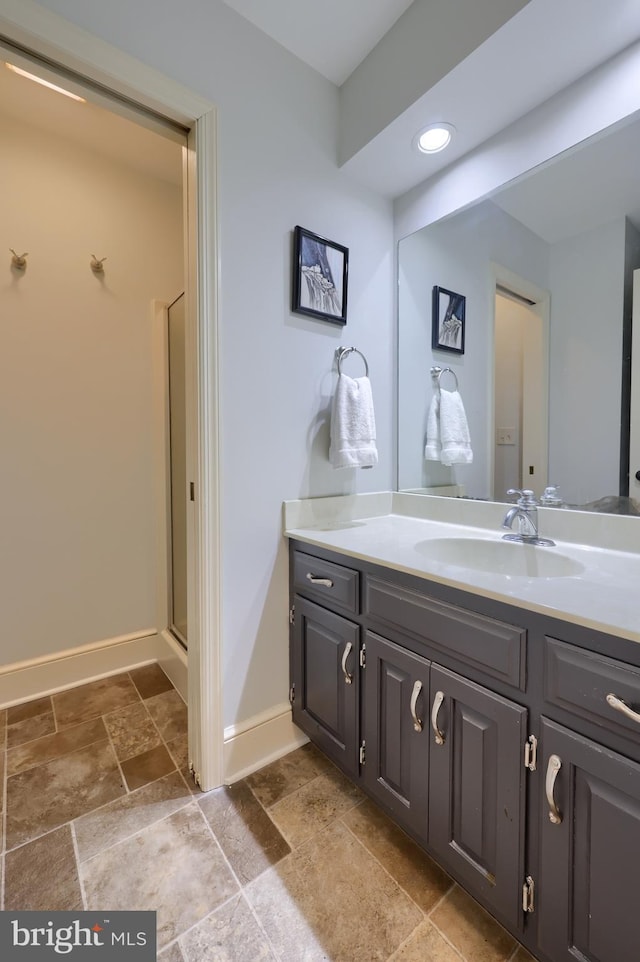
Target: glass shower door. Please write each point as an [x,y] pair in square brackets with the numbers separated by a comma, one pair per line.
[178,469]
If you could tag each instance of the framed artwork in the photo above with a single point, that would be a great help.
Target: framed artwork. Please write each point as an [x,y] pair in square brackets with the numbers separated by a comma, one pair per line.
[320,269]
[447,330]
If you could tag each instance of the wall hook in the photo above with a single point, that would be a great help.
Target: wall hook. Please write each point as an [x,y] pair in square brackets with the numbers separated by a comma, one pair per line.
[19,260]
[97,265]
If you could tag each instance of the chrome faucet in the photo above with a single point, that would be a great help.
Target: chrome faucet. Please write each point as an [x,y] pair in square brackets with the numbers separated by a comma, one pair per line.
[525,511]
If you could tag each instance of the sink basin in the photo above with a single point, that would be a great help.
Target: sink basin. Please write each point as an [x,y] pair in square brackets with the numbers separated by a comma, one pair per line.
[500,557]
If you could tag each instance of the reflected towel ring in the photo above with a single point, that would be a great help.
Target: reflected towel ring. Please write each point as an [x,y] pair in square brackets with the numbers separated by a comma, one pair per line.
[342,352]
[437,372]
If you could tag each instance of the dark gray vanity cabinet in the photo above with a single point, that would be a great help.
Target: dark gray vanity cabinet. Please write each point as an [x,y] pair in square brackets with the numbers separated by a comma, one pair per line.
[324,662]
[451,774]
[504,741]
[477,789]
[589,850]
[396,734]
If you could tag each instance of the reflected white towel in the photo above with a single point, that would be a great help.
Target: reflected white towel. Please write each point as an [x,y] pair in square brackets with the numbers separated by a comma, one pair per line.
[353,425]
[448,437]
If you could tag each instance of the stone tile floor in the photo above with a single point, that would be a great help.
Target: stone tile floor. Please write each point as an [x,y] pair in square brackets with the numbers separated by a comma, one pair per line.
[292,864]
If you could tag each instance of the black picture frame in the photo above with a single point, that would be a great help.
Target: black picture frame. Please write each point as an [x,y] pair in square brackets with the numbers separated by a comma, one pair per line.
[448,321]
[320,275]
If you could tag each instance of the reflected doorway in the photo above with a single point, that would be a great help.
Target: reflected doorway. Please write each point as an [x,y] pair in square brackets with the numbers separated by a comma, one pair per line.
[520,443]
[177,469]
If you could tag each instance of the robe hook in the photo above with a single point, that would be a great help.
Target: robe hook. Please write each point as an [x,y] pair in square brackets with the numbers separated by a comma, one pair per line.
[19,260]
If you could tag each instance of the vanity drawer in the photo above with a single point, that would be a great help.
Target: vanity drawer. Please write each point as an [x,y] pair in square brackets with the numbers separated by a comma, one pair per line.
[333,584]
[579,681]
[493,647]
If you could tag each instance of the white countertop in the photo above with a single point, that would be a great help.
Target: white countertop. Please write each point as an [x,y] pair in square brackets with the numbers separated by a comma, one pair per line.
[605,595]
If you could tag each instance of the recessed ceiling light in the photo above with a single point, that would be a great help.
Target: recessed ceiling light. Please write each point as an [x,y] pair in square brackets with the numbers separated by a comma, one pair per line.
[45,83]
[434,138]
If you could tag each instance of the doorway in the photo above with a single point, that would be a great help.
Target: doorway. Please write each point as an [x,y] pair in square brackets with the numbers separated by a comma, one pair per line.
[520,386]
[110,72]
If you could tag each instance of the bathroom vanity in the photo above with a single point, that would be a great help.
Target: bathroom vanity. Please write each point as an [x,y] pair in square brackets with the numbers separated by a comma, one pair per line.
[498,726]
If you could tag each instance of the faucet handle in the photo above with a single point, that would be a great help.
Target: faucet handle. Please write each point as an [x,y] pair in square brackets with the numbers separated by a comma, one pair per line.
[526,497]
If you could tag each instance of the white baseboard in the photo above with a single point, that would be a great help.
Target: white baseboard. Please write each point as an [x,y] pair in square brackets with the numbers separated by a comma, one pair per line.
[259,741]
[37,677]
[172,658]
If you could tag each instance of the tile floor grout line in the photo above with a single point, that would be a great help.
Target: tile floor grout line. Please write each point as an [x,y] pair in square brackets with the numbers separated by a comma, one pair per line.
[127,838]
[436,929]
[387,872]
[28,741]
[76,853]
[53,758]
[441,899]
[274,952]
[125,783]
[446,938]
[53,712]
[267,808]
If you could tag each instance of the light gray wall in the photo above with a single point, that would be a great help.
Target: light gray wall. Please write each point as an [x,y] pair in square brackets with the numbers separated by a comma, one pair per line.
[76,392]
[278,123]
[425,43]
[586,278]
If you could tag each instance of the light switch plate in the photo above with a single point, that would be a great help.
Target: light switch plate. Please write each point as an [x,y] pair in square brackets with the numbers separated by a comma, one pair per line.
[505,435]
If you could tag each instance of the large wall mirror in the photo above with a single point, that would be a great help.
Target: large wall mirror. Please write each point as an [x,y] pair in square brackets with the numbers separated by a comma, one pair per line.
[546,267]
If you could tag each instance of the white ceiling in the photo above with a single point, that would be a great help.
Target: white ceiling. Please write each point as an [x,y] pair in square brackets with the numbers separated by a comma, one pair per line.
[538,52]
[89,126]
[333,36]
[545,47]
[594,184]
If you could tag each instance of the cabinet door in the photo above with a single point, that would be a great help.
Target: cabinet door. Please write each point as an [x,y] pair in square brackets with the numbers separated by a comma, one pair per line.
[476,790]
[588,886]
[396,692]
[325,672]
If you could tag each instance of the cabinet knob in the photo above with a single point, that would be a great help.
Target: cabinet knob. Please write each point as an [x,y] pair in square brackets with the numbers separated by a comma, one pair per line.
[637,475]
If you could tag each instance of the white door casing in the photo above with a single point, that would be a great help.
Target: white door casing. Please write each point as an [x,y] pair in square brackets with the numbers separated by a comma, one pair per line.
[634,419]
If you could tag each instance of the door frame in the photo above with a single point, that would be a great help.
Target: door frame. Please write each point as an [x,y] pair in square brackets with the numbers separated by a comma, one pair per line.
[49,36]
[633,440]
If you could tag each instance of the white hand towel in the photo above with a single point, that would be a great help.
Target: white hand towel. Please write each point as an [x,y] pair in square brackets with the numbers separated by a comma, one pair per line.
[454,430]
[433,448]
[448,438]
[353,425]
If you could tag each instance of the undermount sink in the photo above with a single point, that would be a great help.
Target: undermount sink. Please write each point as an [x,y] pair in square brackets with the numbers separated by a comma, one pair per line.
[500,557]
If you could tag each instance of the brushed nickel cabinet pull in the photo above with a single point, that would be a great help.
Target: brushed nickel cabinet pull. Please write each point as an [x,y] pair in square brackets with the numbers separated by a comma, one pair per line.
[315,580]
[417,723]
[554,766]
[437,702]
[348,678]
[620,706]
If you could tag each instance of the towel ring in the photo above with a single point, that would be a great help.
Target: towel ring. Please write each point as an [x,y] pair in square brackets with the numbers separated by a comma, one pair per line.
[437,372]
[343,352]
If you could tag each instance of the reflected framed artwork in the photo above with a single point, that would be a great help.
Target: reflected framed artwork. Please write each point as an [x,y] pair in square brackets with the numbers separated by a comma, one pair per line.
[447,331]
[320,272]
